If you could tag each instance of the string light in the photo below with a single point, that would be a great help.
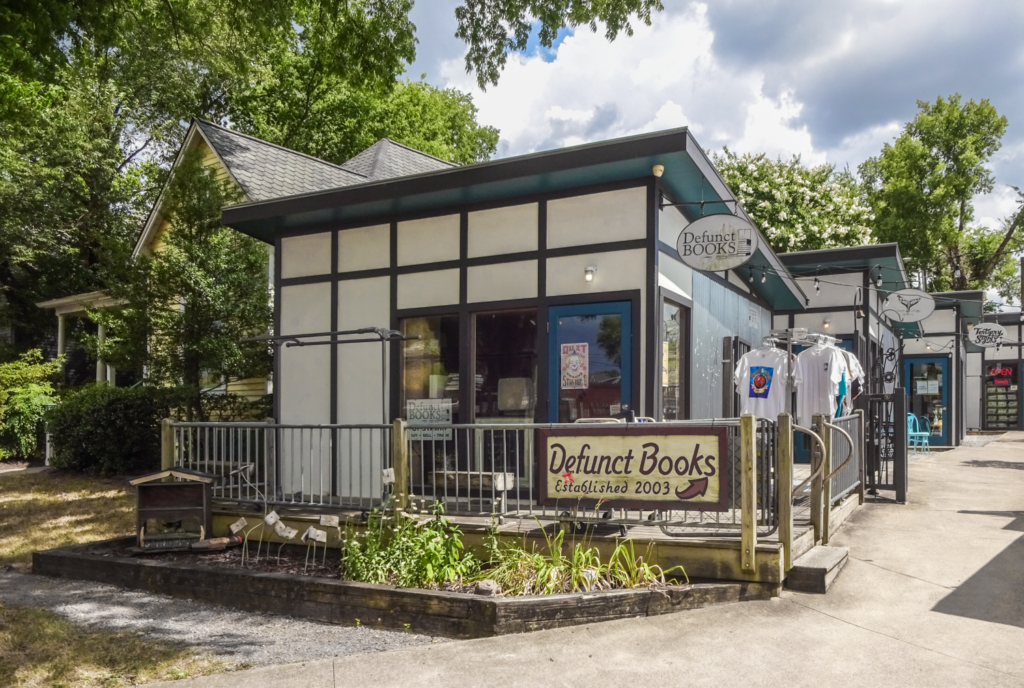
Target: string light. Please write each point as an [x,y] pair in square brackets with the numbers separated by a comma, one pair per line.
[764,277]
[817,287]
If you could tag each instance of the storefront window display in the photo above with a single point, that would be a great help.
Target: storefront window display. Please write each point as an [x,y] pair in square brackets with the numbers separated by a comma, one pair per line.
[1002,409]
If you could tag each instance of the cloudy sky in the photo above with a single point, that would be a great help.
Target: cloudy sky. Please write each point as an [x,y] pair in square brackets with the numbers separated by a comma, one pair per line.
[830,81]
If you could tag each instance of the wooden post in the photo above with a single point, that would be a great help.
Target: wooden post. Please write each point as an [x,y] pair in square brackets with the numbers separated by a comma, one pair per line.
[748,494]
[861,441]
[166,445]
[816,459]
[784,457]
[400,462]
[826,484]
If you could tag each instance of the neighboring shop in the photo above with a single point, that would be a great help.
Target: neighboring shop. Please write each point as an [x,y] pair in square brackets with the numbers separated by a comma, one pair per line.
[941,376]
[994,379]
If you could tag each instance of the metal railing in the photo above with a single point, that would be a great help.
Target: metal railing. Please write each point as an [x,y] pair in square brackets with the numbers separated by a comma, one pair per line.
[287,465]
[491,469]
[844,441]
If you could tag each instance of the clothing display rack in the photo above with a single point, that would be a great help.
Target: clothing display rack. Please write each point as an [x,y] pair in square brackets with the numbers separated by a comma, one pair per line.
[800,336]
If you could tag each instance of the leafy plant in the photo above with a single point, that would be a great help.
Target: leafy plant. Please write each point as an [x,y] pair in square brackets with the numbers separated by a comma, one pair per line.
[519,571]
[400,549]
[25,393]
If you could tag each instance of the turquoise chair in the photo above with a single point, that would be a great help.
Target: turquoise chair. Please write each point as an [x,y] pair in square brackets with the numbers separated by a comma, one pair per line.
[915,437]
[925,426]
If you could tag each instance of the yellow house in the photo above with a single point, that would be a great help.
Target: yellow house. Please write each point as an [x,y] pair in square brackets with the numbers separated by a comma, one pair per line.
[261,171]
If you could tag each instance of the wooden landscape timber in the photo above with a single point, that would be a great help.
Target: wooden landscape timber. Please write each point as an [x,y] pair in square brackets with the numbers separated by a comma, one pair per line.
[451,614]
[715,559]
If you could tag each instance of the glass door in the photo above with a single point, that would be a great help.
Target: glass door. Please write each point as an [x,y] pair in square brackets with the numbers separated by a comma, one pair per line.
[927,383]
[589,361]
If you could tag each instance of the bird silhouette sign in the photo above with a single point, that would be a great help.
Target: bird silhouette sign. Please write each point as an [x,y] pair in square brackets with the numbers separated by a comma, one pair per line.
[908,305]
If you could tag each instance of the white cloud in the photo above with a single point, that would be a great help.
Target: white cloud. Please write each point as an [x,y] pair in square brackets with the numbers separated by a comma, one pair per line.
[664,76]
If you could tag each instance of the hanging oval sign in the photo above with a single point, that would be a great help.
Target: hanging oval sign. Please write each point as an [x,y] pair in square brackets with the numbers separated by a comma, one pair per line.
[987,334]
[717,242]
[908,305]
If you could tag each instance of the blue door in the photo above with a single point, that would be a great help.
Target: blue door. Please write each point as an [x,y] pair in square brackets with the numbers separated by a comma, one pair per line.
[927,383]
[589,361]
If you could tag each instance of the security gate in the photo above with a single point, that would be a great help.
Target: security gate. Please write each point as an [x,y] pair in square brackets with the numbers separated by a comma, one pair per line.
[886,460]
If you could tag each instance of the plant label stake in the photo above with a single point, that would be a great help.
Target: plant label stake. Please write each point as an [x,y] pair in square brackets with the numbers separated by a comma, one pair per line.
[237,526]
[270,519]
[331,522]
[283,531]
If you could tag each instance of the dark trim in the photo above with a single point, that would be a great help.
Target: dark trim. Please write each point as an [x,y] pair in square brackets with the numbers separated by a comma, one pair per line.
[342,225]
[872,252]
[685,347]
[462,263]
[822,309]
[277,330]
[653,310]
[541,411]
[395,374]
[668,294]
[334,338]
[547,162]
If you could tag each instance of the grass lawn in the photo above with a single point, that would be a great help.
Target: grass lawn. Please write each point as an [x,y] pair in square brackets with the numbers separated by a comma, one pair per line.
[46,510]
[41,648]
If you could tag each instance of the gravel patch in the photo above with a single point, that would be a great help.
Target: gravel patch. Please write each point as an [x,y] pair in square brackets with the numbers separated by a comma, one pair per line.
[241,638]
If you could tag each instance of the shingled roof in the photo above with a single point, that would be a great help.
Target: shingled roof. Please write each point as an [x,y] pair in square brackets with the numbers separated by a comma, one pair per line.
[388,159]
[267,171]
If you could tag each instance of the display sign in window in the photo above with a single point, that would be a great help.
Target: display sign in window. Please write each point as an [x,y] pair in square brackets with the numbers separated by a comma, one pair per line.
[1002,396]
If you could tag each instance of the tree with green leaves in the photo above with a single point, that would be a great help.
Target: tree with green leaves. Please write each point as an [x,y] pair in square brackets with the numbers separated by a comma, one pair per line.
[921,189]
[95,96]
[797,208]
[188,305]
[492,29]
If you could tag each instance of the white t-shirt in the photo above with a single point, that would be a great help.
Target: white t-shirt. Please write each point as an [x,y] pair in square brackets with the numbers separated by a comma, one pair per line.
[816,375]
[760,380]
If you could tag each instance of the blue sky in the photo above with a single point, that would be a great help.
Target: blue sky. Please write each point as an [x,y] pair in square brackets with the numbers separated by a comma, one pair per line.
[829,81]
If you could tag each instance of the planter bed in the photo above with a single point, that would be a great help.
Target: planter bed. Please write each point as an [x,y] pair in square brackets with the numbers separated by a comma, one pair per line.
[452,614]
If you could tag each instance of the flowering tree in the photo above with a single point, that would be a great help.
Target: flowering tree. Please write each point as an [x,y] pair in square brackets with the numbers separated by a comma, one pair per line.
[797,208]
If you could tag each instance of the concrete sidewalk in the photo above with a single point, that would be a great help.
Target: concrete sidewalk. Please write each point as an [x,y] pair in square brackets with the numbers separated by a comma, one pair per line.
[932,597]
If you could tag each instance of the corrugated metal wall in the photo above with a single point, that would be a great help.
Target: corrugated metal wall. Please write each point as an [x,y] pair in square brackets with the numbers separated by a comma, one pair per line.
[718,312]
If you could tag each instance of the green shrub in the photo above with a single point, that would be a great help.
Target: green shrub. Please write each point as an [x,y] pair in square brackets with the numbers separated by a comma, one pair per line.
[400,549]
[25,392]
[116,430]
[109,430]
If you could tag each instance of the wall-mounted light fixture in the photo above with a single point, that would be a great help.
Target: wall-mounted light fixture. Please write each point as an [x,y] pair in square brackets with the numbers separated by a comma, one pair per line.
[658,170]
[826,323]
[588,273]
[928,346]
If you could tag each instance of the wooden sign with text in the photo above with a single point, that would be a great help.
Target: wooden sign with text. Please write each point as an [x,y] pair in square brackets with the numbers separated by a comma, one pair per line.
[639,466]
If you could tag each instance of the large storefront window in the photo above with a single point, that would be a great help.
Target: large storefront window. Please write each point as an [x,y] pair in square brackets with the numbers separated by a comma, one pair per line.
[673,361]
[1001,395]
[506,366]
[430,368]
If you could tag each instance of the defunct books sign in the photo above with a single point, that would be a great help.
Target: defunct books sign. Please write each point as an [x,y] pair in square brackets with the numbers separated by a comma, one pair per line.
[636,466]
[717,242]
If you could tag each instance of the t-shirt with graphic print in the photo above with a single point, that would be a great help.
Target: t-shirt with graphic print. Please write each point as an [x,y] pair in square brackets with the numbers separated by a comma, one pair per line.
[817,374]
[760,380]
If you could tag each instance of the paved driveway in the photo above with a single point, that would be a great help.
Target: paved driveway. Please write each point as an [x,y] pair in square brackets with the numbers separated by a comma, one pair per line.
[932,597]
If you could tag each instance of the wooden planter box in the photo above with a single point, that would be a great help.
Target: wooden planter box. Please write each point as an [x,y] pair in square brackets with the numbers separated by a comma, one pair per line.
[456,615]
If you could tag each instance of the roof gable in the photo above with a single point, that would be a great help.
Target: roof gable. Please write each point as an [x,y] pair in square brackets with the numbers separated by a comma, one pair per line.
[266,171]
[389,159]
